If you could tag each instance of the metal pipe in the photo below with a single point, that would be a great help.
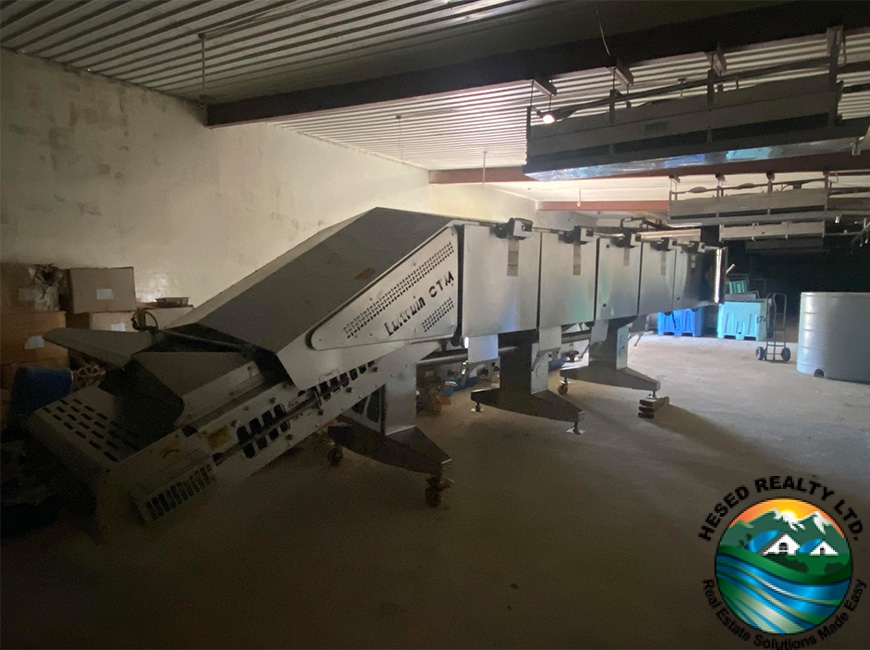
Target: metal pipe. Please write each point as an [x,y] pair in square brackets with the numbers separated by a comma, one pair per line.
[458,356]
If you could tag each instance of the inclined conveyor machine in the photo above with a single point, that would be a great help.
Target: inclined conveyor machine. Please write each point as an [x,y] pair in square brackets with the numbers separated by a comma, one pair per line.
[327,338]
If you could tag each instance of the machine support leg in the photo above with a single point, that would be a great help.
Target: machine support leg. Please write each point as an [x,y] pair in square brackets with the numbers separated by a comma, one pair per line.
[391,435]
[608,361]
[648,407]
[523,387]
[576,430]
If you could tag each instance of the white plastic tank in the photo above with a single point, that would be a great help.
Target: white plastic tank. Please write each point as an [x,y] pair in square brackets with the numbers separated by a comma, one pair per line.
[834,335]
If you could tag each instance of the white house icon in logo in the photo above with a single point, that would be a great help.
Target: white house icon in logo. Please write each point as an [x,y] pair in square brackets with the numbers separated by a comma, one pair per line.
[823,549]
[783,544]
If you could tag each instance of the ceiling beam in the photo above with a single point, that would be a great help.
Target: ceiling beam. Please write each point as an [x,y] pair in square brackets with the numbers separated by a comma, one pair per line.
[731,31]
[479,175]
[604,206]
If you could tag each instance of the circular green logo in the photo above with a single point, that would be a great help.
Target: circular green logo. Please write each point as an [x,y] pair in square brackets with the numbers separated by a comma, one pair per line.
[783,566]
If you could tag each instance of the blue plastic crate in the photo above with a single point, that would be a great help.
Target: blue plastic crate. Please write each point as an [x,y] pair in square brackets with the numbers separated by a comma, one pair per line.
[681,322]
[742,320]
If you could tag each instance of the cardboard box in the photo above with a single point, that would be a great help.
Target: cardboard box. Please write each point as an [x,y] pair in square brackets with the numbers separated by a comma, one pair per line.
[100,290]
[21,337]
[28,288]
[163,316]
[114,321]
[7,371]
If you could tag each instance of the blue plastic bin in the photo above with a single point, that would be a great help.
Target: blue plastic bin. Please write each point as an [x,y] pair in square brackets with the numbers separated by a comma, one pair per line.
[681,322]
[742,320]
[34,387]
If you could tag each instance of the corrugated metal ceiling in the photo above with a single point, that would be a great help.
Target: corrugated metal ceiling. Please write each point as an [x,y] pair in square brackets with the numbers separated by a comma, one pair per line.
[463,129]
[260,47]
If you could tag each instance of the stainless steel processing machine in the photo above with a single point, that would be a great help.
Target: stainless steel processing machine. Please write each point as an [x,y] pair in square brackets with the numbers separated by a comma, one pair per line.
[327,338]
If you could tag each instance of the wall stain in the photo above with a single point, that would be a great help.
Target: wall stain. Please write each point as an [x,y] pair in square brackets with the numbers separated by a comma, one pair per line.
[20,130]
[58,142]
[58,138]
[90,115]
[34,96]
[103,169]
[292,231]
[89,208]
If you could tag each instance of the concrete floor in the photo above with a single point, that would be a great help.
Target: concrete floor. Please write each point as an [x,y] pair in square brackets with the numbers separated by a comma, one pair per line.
[546,540]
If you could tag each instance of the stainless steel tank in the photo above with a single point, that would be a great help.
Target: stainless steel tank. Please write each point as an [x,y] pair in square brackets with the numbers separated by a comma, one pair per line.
[833,339]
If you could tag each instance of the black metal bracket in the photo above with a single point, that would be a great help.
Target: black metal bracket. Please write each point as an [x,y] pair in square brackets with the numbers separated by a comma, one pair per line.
[579,235]
[515,228]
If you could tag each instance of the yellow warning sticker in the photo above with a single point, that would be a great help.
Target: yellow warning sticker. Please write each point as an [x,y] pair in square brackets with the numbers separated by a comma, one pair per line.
[218,438]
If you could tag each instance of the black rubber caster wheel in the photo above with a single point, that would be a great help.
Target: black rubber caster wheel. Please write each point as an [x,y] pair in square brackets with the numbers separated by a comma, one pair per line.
[334,456]
[785,354]
[433,497]
[563,389]
[760,353]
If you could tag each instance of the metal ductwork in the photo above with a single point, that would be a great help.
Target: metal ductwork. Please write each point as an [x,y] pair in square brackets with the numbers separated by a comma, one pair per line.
[777,119]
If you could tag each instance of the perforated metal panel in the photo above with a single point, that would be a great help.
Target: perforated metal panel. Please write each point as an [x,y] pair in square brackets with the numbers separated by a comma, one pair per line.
[85,426]
[295,293]
[414,299]
[164,501]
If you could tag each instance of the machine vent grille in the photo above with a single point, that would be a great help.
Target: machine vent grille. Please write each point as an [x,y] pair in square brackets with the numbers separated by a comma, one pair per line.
[196,482]
[438,314]
[399,289]
[112,440]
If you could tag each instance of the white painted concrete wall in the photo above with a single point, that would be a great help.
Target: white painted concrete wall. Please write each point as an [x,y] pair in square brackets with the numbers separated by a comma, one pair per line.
[97,173]
[478,202]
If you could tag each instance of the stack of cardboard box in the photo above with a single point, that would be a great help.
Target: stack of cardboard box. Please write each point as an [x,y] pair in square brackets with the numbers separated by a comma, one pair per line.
[33,297]
[105,299]
[30,308]
[100,299]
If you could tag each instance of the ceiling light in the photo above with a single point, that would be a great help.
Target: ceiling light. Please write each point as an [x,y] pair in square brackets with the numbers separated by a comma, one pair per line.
[548,118]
